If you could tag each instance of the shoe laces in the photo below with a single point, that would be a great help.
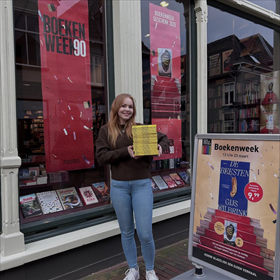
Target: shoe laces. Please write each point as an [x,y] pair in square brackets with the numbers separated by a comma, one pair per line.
[151,275]
[131,274]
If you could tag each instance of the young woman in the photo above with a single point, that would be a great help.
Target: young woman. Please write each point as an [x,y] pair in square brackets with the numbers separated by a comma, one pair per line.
[131,190]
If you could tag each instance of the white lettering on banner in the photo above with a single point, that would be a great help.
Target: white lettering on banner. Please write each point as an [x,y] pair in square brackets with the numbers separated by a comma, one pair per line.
[80,48]
[164,19]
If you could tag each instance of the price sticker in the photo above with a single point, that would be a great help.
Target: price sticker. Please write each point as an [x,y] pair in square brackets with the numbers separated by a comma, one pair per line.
[253,192]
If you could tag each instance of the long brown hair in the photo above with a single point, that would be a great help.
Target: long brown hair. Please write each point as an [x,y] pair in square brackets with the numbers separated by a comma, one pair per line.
[114,128]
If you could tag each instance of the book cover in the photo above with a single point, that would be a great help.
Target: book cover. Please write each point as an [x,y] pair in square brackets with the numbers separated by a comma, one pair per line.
[234,176]
[42,179]
[153,165]
[34,171]
[171,163]
[23,173]
[28,182]
[159,164]
[49,202]
[69,198]
[179,182]
[168,180]
[165,164]
[185,176]
[160,182]
[177,162]
[29,205]
[154,186]
[101,191]
[88,195]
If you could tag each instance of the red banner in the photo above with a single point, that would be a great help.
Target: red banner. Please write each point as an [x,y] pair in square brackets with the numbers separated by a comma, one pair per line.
[66,84]
[165,59]
[165,42]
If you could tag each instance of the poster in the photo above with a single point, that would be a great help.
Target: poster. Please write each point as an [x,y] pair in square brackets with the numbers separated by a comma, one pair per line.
[165,43]
[165,69]
[236,199]
[269,117]
[65,68]
[172,129]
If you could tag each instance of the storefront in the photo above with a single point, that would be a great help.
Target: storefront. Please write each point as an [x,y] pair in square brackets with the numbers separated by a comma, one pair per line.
[62,64]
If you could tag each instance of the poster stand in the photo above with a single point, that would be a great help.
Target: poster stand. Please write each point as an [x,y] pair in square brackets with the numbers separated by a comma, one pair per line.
[206,274]
[235,200]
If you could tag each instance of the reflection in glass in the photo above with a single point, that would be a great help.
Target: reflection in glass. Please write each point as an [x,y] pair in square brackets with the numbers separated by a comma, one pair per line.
[19,21]
[267,4]
[32,23]
[20,46]
[241,65]
[33,49]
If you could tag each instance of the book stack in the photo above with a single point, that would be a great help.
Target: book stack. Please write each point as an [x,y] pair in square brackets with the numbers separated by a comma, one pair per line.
[145,140]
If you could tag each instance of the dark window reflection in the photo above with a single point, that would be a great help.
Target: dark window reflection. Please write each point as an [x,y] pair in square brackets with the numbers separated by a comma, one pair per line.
[32,24]
[19,20]
[20,46]
[33,49]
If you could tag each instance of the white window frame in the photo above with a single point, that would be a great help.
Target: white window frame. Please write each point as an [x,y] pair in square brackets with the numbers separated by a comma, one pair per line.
[228,88]
[201,11]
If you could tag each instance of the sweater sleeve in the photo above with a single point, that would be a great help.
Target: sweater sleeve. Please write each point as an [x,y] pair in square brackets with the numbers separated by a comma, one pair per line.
[163,141]
[104,154]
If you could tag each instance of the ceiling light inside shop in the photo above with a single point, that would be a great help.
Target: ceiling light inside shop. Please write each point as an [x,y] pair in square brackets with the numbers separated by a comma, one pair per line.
[164,4]
[147,35]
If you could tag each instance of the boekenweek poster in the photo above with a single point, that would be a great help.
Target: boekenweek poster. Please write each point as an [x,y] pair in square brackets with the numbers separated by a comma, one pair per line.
[236,200]
[66,87]
[165,66]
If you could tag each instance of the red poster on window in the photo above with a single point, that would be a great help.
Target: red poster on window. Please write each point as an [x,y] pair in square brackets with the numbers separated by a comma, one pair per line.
[66,87]
[165,60]
[165,42]
[172,129]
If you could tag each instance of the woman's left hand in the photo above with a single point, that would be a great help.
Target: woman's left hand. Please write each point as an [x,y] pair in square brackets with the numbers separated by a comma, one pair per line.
[159,150]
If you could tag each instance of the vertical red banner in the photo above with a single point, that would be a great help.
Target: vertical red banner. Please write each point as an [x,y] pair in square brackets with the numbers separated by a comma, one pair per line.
[165,42]
[66,84]
[165,60]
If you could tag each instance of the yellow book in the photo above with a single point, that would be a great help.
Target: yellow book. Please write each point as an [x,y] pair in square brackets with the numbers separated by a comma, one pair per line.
[145,140]
[146,153]
[144,129]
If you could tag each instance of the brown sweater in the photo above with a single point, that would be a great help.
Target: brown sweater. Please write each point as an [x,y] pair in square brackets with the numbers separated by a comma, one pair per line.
[123,166]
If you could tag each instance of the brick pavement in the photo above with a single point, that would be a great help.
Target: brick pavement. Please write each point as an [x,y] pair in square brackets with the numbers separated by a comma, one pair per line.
[170,262]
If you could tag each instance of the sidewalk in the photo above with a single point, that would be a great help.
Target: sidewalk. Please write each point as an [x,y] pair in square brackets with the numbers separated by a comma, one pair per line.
[170,262]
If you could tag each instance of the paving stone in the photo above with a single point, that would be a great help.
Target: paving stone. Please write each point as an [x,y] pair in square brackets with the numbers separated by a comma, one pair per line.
[170,262]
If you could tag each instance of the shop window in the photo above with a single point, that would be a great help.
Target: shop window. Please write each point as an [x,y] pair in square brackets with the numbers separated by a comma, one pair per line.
[61,103]
[166,89]
[243,75]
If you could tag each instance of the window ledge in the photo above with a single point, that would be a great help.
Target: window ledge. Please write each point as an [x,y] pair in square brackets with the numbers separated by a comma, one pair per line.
[54,245]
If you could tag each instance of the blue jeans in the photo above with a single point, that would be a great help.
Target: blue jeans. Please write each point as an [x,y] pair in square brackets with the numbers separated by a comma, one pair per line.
[135,196]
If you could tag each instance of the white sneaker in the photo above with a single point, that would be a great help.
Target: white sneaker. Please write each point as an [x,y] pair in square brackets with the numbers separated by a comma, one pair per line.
[151,275]
[132,274]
